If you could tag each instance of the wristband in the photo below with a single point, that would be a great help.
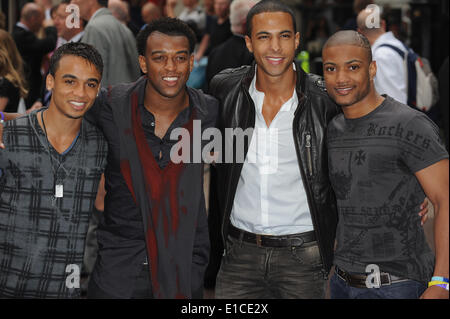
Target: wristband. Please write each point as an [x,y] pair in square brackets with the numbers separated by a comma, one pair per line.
[437,278]
[439,284]
[3,117]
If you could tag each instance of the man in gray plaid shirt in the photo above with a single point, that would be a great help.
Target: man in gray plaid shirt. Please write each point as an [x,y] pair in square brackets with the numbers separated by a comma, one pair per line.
[49,175]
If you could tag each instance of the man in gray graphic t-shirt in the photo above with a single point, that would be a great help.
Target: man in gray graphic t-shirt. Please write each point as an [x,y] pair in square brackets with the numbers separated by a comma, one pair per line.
[384,158]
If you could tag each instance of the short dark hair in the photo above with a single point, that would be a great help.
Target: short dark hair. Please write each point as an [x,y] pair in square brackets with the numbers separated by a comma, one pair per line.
[168,26]
[268,6]
[350,37]
[79,49]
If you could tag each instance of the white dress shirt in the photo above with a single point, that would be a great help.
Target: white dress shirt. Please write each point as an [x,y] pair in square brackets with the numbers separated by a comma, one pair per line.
[270,198]
[391,77]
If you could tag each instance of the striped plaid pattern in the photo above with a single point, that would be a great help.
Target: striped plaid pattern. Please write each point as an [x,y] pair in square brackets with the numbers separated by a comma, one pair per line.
[38,240]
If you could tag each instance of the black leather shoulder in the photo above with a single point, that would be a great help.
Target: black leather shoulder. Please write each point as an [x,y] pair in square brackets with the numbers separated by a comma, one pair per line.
[318,82]
[224,81]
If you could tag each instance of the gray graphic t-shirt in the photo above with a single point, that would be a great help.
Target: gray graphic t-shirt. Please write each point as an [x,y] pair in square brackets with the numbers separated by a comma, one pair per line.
[372,161]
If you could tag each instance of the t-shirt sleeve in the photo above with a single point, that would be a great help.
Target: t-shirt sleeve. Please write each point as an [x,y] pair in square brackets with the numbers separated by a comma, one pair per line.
[421,145]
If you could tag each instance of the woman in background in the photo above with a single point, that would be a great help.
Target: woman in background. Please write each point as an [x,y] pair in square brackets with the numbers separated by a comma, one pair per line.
[12,80]
[12,87]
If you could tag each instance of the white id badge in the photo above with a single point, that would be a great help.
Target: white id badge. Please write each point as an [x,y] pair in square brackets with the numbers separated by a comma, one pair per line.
[59,191]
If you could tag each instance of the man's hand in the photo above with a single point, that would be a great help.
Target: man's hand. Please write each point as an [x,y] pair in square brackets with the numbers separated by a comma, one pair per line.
[424,211]
[435,292]
[36,106]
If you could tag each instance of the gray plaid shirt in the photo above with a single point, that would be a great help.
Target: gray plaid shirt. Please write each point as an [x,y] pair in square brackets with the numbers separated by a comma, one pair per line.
[42,240]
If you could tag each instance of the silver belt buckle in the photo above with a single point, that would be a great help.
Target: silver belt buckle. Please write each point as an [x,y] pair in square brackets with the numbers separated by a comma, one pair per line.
[296,241]
[388,277]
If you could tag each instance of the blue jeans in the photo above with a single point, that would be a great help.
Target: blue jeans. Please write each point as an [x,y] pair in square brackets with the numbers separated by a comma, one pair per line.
[251,272]
[410,289]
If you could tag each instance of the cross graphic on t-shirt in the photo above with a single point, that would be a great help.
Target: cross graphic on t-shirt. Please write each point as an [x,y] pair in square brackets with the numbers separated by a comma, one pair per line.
[360,157]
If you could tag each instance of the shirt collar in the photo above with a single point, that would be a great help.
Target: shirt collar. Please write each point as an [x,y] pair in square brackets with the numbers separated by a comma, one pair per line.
[23,26]
[383,38]
[77,37]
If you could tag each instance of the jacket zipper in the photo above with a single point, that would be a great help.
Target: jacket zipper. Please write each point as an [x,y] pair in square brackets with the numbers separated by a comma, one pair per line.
[308,153]
[302,173]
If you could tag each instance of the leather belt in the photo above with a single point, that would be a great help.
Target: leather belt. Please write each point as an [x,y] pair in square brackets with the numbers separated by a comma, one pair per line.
[359,280]
[272,241]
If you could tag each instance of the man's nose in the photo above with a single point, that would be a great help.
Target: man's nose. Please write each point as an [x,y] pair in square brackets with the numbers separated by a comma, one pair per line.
[170,64]
[275,44]
[341,77]
[79,90]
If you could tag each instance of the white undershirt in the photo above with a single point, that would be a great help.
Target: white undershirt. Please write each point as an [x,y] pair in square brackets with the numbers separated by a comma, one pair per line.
[270,197]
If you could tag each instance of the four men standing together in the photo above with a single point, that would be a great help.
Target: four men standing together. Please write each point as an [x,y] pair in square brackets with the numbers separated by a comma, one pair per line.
[279,212]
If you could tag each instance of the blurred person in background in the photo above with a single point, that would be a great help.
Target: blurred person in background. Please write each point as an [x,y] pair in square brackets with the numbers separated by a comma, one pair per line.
[391,76]
[192,13]
[33,49]
[218,30]
[150,12]
[233,52]
[66,33]
[112,39]
[121,11]
[358,6]
[7,43]
[12,85]
[316,35]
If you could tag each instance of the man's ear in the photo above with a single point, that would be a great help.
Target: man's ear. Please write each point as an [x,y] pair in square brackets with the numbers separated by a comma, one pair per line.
[191,62]
[49,82]
[372,70]
[297,40]
[248,43]
[143,64]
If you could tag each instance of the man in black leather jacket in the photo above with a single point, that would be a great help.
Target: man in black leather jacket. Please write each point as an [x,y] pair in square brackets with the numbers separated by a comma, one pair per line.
[279,235]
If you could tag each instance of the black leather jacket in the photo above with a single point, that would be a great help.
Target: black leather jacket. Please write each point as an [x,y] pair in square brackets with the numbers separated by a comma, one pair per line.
[313,113]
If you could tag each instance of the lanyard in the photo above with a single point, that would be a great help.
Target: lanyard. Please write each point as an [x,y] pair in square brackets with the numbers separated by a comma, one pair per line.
[58,184]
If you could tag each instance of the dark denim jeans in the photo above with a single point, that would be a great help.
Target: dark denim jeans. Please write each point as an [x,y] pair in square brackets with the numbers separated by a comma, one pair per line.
[409,289]
[251,272]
